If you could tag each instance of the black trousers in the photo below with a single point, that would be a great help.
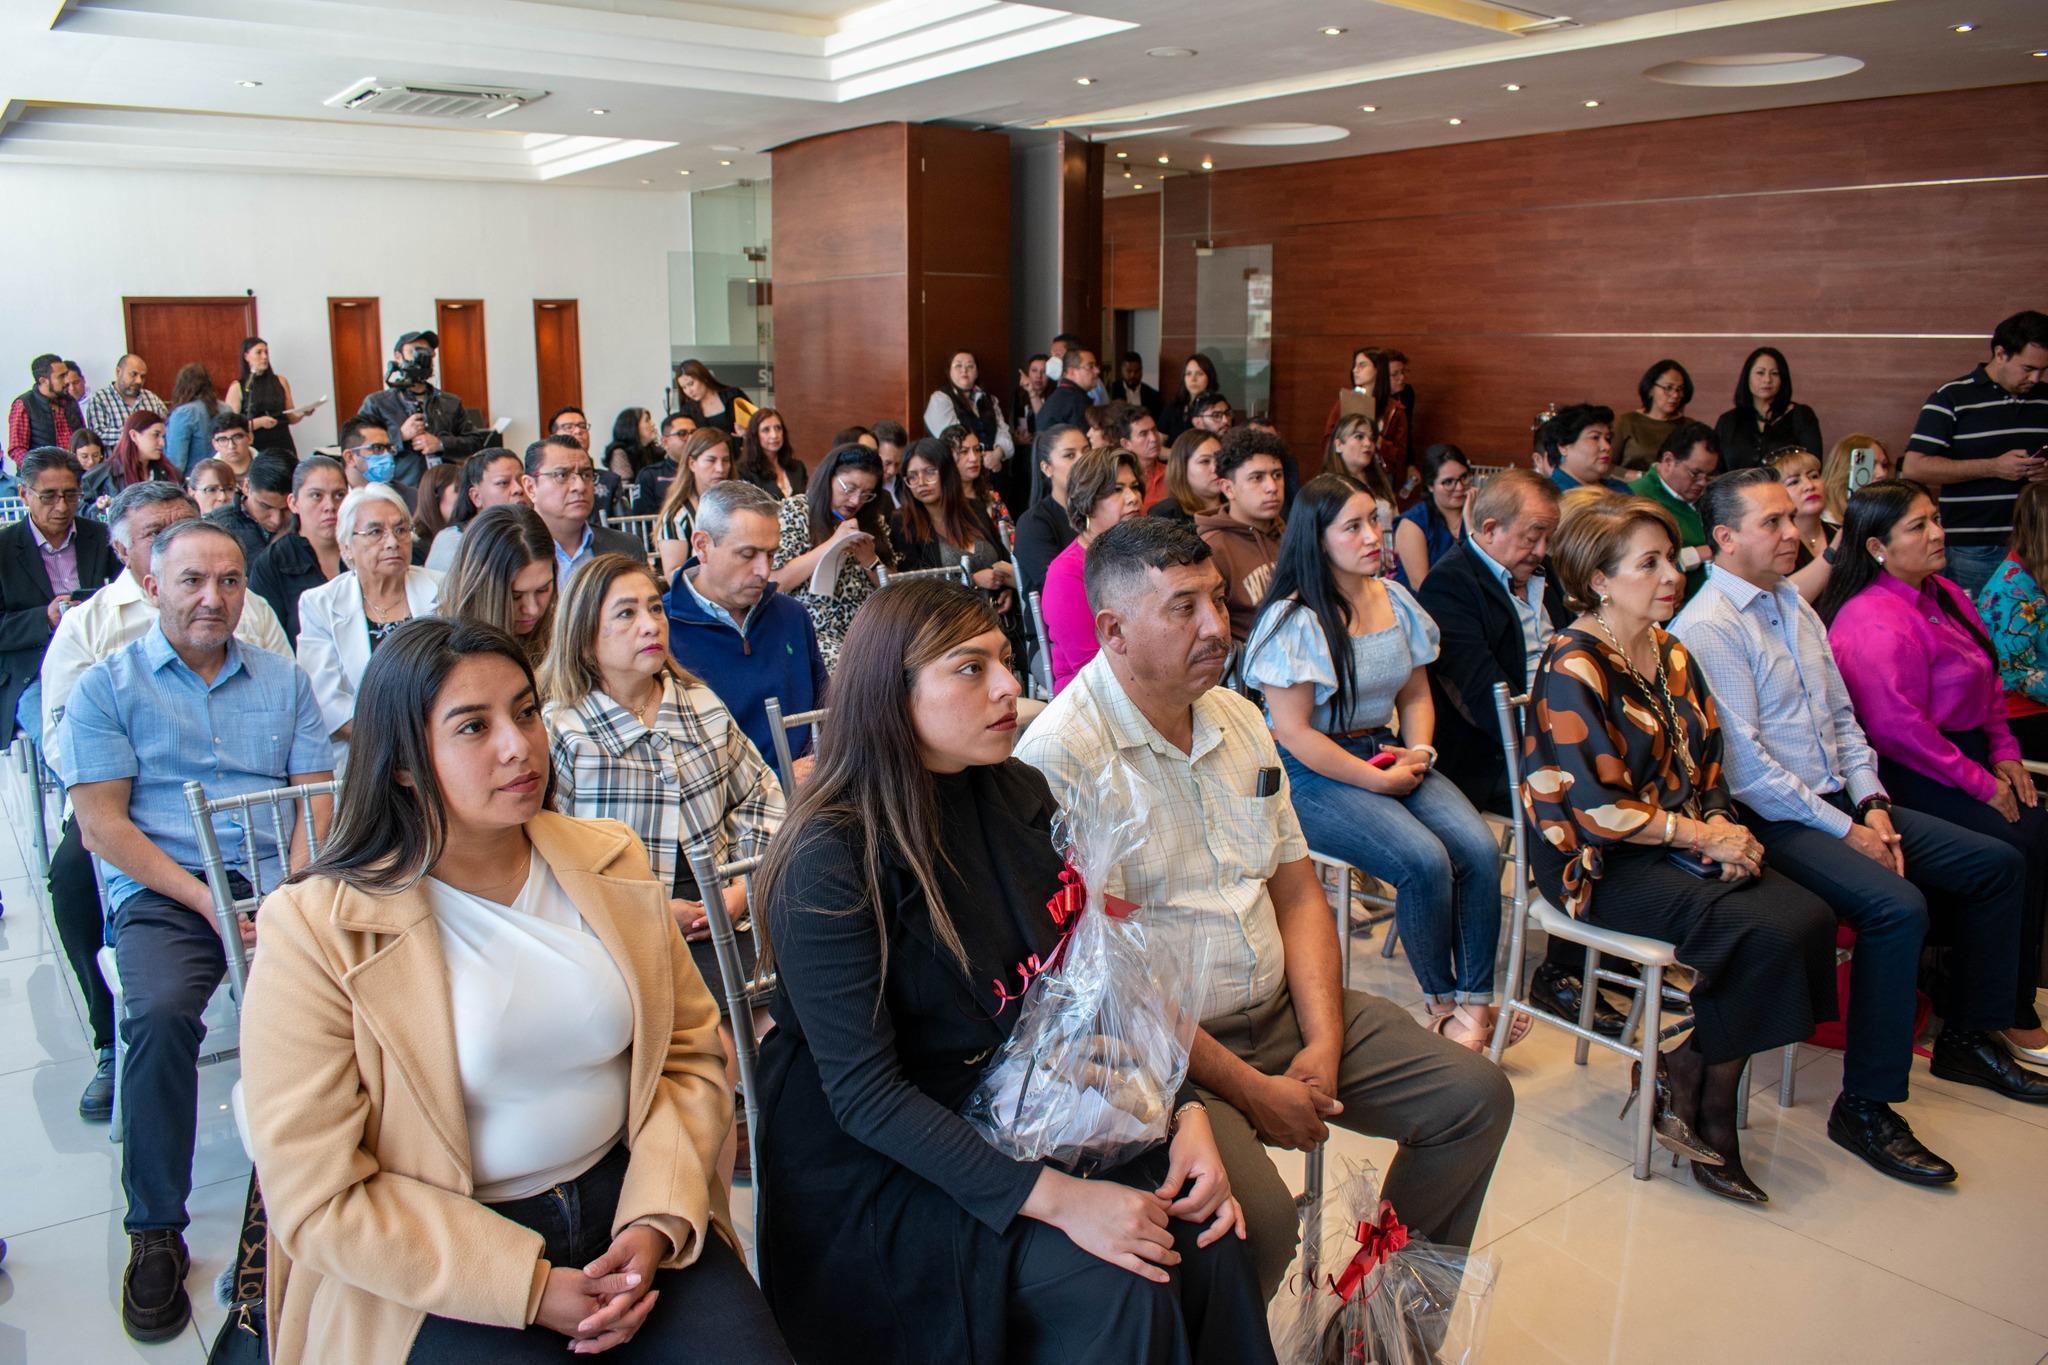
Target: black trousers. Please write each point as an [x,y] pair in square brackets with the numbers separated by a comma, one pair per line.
[82,929]
[2032,733]
[1972,884]
[712,1312]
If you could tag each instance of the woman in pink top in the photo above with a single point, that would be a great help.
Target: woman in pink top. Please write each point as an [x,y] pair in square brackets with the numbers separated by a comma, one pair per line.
[1924,676]
[1103,488]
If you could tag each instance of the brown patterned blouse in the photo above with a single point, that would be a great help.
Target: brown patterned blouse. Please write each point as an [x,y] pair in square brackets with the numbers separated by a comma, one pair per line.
[1598,762]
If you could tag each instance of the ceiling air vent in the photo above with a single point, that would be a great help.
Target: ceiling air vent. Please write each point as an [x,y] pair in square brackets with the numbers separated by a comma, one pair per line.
[433,101]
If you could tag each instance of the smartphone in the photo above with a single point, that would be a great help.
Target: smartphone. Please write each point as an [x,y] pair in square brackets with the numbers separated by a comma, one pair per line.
[1706,869]
[1385,759]
[1862,467]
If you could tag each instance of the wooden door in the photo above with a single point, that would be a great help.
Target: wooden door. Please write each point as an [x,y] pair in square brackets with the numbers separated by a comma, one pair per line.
[465,369]
[557,356]
[171,333]
[355,336]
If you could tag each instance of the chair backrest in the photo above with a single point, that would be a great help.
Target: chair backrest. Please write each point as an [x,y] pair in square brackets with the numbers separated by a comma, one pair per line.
[1041,663]
[779,726]
[260,812]
[1511,710]
[962,573]
[11,511]
[640,526]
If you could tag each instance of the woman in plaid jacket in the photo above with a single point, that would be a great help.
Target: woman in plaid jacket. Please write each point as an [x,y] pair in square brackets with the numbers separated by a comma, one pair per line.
[637,739]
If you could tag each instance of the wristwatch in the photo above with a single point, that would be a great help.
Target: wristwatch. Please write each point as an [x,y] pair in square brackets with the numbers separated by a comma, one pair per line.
[1871,803]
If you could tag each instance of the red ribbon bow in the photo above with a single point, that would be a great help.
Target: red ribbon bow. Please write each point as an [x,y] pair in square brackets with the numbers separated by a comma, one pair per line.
[1378,1239]
[1066,903]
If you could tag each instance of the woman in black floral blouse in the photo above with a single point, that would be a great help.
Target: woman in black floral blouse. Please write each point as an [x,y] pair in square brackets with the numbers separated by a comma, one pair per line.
[1621,809]
[837,514]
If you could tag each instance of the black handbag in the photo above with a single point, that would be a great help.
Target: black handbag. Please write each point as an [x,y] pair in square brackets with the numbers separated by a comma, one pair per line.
[244,1338]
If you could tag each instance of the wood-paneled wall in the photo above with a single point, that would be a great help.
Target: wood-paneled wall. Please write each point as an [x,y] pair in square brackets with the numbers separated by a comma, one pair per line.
[1130,252]
[892,251]
[1876,242]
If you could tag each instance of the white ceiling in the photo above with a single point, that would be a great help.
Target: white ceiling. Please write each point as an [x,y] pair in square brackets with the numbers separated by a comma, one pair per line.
[688,87]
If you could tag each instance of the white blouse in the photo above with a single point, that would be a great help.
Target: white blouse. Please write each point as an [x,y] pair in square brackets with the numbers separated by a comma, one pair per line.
[543,1029]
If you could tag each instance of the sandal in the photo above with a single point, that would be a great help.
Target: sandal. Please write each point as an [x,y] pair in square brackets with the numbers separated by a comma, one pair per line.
[1479,1022]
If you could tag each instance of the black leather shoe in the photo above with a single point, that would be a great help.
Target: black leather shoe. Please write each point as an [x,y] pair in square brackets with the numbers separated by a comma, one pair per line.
[1886,1142]
[96,1105]
[1982,1059]
[154,1306]
[1557,992]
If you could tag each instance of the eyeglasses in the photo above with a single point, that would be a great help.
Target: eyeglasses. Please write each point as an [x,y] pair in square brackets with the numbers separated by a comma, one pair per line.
[1457,481]
[582,474]
[215,489]
[572,426]
[378,449]
[846,490]
[229,436]
[925,475]
[398,533]
[51,497]
[1669,388]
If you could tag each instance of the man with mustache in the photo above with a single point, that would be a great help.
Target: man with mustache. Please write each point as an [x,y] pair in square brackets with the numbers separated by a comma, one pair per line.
[1284,1048]
[185,702]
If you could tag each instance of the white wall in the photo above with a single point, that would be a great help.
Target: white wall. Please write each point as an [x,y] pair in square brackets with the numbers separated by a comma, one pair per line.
[77,239]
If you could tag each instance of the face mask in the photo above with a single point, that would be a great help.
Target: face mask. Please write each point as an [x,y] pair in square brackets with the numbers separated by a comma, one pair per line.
[1054,368]
[380,468]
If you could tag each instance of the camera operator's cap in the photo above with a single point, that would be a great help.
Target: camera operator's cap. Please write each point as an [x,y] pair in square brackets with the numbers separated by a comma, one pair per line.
[410,337]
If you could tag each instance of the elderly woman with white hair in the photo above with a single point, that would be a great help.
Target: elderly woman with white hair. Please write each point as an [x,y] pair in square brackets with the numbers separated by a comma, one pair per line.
[342,621]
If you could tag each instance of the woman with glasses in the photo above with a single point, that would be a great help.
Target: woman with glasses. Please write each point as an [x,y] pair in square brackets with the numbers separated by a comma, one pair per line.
[939,522]
[343,621]
[211,484]
[1665,389]
[837,517]
[1431,528]
[706,462]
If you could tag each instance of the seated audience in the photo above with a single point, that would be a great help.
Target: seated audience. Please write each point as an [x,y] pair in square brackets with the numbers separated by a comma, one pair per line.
[111,403]
[188,428]
[940,523]
[1841,465]
[608,491]
[496,957]
[1919,663]
[185,702]
[650,486]
[970,456]
[230,441]
[1132,428]
[1102,491]
[88,448]
[2015,611]
[1354,452]
[1284,1046]
[707,402]
[1800,472]
[637,740]
[1245,536]
[1686,458]
[46,414]
[1431,529]
[1764,419]
[310,555]
[1636,831]
[1191,487]
[729,626]
[704,461]
[1198,385]
[92,630]
[1371,393]
[212,486]
[911,878]
[1980,440]
[1666,391]
[1339,654]
[1044,530]
[633,446]
[262,509]
[1211,414]
[560,482]
[1578,444]
[138,457]
[368,456]
[433,507]
[768,457]
[891,440]
[348,618]
[490,478]
[836,515]
[961,401]
[50,561]
[1806,782]
[504,575]
[857,435]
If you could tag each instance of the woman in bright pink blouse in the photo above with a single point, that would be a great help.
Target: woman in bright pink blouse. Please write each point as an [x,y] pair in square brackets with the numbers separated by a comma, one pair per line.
[1924,676]
[1103,488]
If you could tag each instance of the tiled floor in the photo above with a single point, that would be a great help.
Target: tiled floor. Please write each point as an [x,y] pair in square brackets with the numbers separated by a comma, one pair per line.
[1843,1265]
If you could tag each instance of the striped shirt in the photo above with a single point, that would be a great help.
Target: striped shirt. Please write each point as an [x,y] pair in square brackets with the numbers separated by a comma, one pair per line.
[1973,418]
[107,411]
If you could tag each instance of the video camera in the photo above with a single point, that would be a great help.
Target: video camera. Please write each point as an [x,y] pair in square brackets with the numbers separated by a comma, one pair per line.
[417,369]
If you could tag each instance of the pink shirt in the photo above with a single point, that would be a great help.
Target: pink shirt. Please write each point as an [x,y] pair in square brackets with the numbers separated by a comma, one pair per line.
[1914,672]
[1069,624]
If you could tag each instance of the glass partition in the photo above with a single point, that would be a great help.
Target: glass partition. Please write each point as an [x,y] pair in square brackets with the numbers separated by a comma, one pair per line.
[1234,322]
[720,295]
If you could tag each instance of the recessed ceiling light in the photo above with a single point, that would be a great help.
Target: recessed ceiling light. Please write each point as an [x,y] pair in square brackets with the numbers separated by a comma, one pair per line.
[1592,104]
[1511,89]
[1455,122]
[2041,52]
[1169,52]
[682,172]
[1333,31]
[1207,164]
[1164,161]
[1084,80]
[1123,156]
[725,163]
[1368,108]
[647,182]
[248,85]
[1962,28]
[723,147]
[600,112]
[1138,185]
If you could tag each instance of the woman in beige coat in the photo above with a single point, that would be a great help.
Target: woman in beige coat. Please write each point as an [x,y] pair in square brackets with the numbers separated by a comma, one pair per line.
[483,1077]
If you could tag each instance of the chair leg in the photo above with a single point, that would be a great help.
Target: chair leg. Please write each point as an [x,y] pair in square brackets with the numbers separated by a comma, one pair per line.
[1742,1099]
[1392,940]
[1788,1081]
[1646,1054]
[1349,879]
[1586,985]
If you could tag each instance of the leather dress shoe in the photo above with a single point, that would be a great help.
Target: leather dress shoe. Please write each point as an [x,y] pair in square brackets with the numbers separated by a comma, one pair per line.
[1885,1142]
[1557,992]
[154,1305]
[1982,1059]
[96,1105]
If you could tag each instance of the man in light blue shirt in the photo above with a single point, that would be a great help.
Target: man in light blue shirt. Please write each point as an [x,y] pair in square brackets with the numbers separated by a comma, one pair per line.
[1796,759]
[185,702]
[561,482]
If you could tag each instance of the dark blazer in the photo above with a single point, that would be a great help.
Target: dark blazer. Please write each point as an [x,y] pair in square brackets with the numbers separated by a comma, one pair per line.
[1482,645]
[1067,405]
[25,602]
[605,541]
[1148,397]
[285,569]
[1042,532]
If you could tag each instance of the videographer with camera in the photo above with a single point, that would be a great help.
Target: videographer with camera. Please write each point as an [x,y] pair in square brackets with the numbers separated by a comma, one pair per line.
[423,420]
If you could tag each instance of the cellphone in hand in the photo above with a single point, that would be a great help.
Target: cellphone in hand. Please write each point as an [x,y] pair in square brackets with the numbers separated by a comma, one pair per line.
[1386,758]
[1862,467]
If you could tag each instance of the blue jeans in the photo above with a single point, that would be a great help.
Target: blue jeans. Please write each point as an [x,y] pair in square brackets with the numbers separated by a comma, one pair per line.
[1440,856]
[1970,566]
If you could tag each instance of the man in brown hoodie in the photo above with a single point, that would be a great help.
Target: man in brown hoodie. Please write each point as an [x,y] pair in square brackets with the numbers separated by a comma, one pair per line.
[1245,535]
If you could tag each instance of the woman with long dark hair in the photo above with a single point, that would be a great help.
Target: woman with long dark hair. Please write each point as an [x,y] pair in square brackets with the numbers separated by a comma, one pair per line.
[911,878]
[490,478]
[1665,389]
[708,402]
[1371,387]
[505,575]
[706,462]
[1924,675]
[264,396]
[433,509]
[971,455]
[1432,528]
[188,429]
[1197,381]
[961,401]
[485,1092]
[768,458]
[1354,451]
[1192,489]
[839,510]
[1341,653]
[1103,488]
[1765,419]
[137,457]
[940,522]
[634,444]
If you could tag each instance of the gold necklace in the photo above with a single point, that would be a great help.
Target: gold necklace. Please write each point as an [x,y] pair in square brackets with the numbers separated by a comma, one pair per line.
[1667,711]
